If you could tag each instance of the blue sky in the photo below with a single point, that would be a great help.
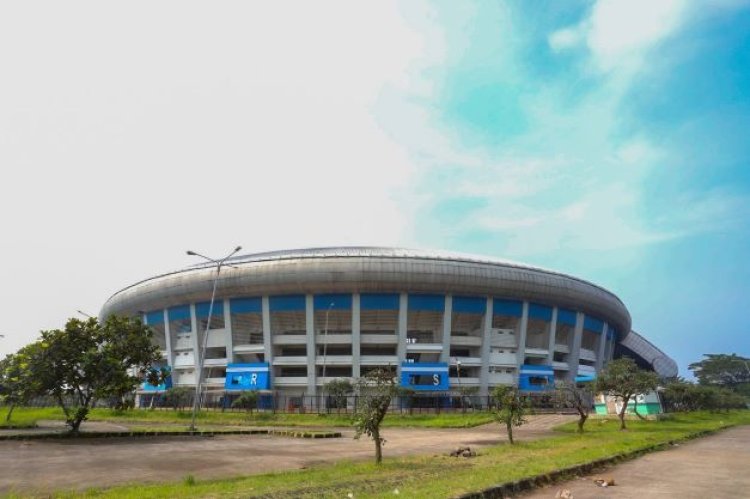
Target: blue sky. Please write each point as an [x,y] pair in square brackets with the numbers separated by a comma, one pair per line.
[605,139]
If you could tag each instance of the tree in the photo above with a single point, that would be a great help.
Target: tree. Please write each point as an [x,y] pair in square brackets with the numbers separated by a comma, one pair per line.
[728,371]
[337,391]
[623,379]
[509,408]
[178,397]
[576,396]
[89,360]
[248,400]
[375,389]
[17,383]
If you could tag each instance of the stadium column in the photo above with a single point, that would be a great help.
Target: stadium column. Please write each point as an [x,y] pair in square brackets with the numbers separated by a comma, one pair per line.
[355,335]
[600,348]
[521,351]
[403,305]
[168,339]
[552,333]
[312,353]
[266,320]
[196,341]
[228,332]
[484,372]
[447,313]
[575,348]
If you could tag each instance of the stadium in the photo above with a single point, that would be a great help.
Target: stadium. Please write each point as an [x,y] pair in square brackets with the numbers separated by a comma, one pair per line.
[288,322]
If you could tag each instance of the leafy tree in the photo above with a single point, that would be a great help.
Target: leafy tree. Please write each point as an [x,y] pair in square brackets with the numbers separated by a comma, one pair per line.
[89,360]
[623,379]
[248,400]
[576,396]
[509,408]
[17,383]
[337,391]
[375,389]
[728,371]
[178,397]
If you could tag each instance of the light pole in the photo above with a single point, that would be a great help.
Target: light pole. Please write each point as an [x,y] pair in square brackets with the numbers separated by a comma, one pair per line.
[325,345]
[85,314]
[199,377]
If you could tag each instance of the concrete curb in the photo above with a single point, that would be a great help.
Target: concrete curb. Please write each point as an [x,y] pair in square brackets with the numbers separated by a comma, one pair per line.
[157,433]
[510,489]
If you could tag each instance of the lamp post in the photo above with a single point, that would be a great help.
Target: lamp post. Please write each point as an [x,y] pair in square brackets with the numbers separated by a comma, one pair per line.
[325,346]
[85,314]
[202,353]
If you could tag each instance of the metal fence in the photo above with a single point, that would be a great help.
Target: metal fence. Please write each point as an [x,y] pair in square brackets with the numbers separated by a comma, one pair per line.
[434,403]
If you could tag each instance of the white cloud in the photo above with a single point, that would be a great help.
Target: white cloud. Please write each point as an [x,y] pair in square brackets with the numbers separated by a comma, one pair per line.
[619,33]
[128,135]
[565,38]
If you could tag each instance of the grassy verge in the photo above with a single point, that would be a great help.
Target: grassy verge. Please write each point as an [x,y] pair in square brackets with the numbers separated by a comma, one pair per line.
[211,418]
[441,476]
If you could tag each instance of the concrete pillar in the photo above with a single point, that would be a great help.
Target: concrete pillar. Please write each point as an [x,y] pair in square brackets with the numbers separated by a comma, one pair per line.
[197,345]
[575,349]
[447,319]
[552,334]
[311,347]
[266,320]
[600,348]
[403,306]
[484,372]
[228,329]
[167,338]
[521,351]
[355,335]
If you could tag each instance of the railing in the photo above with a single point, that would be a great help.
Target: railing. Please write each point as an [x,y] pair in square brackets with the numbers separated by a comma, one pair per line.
[435,403]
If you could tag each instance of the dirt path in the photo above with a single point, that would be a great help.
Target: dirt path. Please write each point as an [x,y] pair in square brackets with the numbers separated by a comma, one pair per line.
[45,465]
[712,467]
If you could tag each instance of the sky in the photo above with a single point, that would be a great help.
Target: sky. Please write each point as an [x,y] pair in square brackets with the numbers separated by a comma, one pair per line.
[604,139]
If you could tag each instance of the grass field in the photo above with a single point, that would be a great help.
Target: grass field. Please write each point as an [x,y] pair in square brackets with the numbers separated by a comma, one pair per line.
[442,476]
[25,415]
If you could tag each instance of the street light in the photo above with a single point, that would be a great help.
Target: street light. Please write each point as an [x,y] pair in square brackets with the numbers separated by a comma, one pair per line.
[202,354]
[85,314]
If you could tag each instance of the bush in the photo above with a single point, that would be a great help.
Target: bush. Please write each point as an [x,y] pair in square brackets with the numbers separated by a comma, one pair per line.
[248,401]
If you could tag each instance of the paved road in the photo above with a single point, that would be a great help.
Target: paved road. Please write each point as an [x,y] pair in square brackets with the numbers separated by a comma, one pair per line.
[46,465]
[713,467]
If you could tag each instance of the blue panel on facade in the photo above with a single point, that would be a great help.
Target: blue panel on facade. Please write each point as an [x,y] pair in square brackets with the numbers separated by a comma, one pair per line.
[375,301]
[536,378]
[332,301]
[245,305]
[287,303]
[248,377]
[593,324]
[512,308]
[201,309]
[432,303]
[469,304]
[179,313]
[565,316]
[541,312]
[425,376]
[155,317]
